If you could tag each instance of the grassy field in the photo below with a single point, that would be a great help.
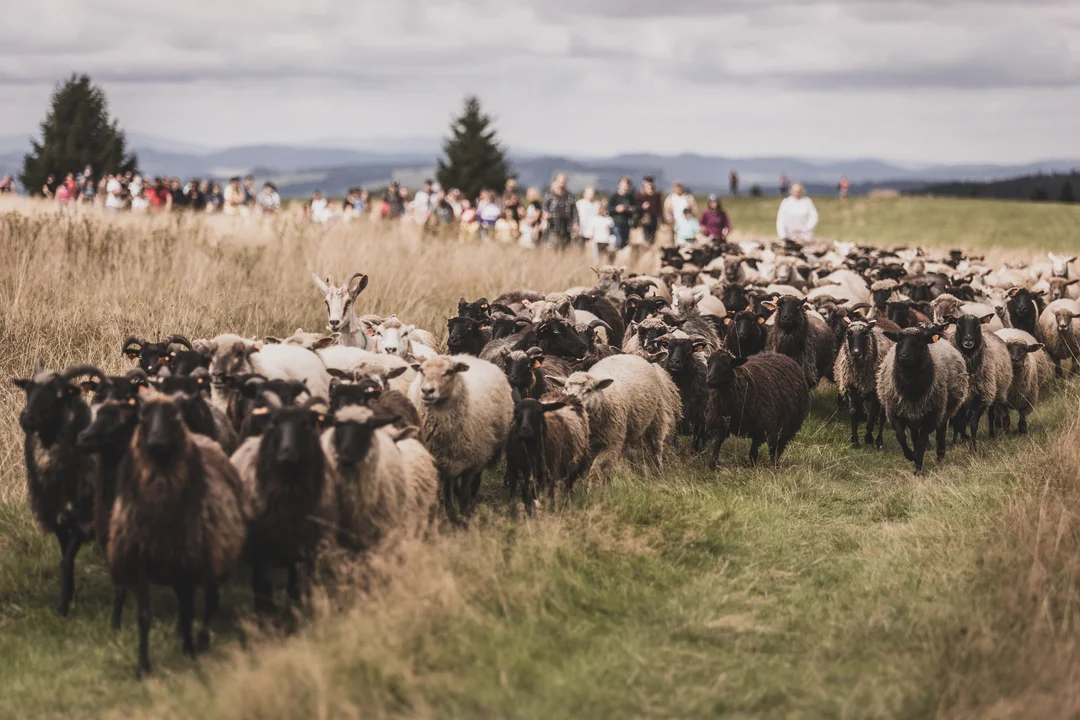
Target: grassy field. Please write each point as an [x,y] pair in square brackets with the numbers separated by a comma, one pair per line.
[837,585]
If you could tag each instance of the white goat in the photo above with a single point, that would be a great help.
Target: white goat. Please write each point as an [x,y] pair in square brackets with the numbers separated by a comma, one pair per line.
[340,308]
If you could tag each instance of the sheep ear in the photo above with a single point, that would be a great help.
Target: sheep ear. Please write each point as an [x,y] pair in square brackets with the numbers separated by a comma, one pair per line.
[272,340]
[396,372]
[383,421]
[988,318]
[555,380]
[416,367]
[1012,291]
[769,305]
[1072,282]
[552,407]
[335,373]
[738,362]
[872,324]
[726,320]
[935,337]
[460,367]
[1035,348]
[894,336]
[606,382]
[324,342]
[87,385]
[537,362]
[700,347]
[369,331]
[847,319]
[951,320]
[761,320]
[255,347]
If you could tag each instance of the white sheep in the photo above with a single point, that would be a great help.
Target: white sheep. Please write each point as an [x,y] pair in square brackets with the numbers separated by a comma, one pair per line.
[232,355]
[393,337]
[465,407]
[354,362]
[1060,327]
[633,405]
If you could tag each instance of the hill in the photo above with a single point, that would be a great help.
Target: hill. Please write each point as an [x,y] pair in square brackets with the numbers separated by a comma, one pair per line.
[1055,187]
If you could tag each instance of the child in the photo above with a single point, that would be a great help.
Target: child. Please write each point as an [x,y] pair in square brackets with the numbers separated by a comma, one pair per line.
[687,228]
[506,227]
[600,230]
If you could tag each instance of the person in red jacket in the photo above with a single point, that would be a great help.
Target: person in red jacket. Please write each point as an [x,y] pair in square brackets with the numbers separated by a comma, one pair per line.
[715,223]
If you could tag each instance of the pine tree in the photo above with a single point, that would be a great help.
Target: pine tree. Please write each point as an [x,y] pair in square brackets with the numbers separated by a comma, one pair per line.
[1067,193]
[77,132]
[474,159]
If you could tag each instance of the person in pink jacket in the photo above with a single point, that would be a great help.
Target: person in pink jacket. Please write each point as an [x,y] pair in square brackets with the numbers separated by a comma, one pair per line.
[715,223]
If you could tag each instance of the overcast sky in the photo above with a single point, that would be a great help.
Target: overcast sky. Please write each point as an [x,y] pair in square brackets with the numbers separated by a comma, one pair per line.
[917,80]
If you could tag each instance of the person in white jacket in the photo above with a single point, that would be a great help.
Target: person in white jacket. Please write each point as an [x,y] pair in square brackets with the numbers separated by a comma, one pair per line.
[797,216]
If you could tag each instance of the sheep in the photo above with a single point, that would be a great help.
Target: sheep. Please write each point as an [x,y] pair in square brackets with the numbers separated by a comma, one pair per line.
[341,309]
[392,337]
[882,291]
[1058,288]
[306,340]
[685,362]
[1060,333]
[734,297]
[1024,391]
[478,310]
[190,394]
[640,335]
[467,336]
[608,278]
[645,286]
[384,495]
[152,356]
[465,407]
[632,406]
[855,371]
[292,502]
[746,333]
[762,397]
[1060,265]
[1024,308]
[986,359]
[362,363]
[548,442]
[60,481]
[805,339]
[945,306]
[636,308]
[922,383]
[178,519]
[604,309]
[374,394]
[234,355]
[905,313]
[527,371]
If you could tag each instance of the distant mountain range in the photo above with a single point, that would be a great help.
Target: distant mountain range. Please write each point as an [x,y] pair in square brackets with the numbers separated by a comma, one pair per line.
[334,164]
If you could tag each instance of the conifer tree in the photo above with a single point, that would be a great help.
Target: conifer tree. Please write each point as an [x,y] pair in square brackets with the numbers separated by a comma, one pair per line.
[75,133]
[474,159]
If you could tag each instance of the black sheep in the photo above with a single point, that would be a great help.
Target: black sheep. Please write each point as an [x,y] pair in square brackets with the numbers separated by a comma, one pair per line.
[1024,308]
[547,442]
[687,368]
[762,397]
[478,310]
[806,340]
[734,297]
[467,336]
[636,308]
[527,371]
[190,392]
[601,306]
[60,480]
[152,356]
[372,393]
[746,333]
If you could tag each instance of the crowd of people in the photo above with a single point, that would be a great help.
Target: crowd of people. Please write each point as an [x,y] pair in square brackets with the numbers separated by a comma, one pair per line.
[556,218]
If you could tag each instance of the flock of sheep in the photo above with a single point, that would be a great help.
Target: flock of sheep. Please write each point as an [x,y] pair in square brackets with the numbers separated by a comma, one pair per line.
[212,452]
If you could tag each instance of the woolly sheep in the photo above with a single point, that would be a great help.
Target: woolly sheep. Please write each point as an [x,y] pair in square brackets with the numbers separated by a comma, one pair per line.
[762,397]
[922,383]
[234,355]
[178,519]
[989,371]
[392,337]
[947,306]
[548,442]
[861,353]
[383,496]
[465,408]
[805,339]
[633,406]
[1059,328]
[1027,359]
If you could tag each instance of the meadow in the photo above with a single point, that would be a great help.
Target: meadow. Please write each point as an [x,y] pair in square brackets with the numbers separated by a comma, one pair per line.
[837,585]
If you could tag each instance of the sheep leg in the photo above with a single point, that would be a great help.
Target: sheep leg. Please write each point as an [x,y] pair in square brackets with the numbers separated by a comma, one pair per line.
[473,489]
[975,416]
[528,494]
[142,597]
[853,402]
[119,598]
[717,442]
[920,437]
[1057,368]
[510,481]
[1021,424]
[755,447]
[942,431]
[873,409]
[71,539]
[900,427]
[211,603]
[991,420]
[448,500]
[185,596]
[261,585]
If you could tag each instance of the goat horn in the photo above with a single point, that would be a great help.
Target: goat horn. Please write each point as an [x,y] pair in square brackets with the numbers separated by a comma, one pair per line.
[600,323]
[76,370]
[139,374]
[133,339]
[534,352]
[179,340]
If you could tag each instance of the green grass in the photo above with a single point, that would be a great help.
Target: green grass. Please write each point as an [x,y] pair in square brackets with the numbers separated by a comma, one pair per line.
[839,585]
[930,222]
